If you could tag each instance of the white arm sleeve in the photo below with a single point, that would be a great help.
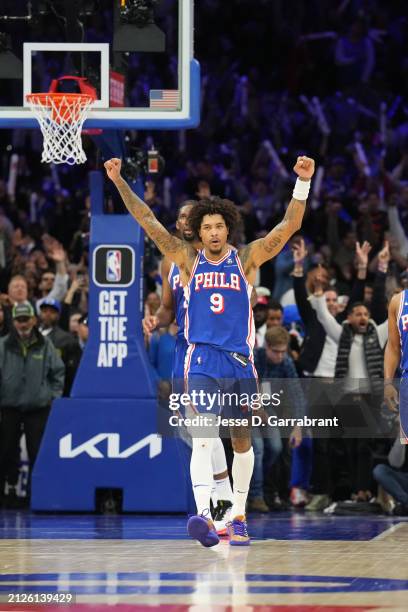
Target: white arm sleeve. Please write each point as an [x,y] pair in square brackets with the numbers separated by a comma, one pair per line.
[59,288]
[397,230]
[332,328]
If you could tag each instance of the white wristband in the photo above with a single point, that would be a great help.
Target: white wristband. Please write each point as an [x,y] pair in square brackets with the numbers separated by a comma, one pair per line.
[301,190]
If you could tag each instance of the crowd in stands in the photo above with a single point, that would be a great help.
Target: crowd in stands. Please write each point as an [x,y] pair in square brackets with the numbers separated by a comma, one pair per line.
[326,79]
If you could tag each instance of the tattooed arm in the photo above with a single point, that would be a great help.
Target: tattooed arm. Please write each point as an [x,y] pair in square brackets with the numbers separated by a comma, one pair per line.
[257,252]
[174,248]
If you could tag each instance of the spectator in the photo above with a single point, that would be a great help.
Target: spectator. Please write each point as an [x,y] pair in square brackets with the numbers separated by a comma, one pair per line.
[161,351]
[152,303]
[394,477]
[318,359]
[53,286]
[275,318]
[260,314]
[83,331]
[32,377]
[273,362]
[74,323]
[3,327]
[360,363]
[354,54]
[67,347]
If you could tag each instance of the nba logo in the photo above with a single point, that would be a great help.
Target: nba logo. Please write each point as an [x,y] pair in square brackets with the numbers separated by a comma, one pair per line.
[113,266]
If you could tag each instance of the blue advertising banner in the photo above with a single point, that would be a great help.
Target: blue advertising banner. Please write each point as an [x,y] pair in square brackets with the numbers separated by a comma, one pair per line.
[104,435]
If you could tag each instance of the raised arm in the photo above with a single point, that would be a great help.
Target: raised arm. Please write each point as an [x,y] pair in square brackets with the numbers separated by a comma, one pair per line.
[257,252]
[392,354]
[332,328]
[307,313]
[396,228]
[174,248]
[318,300]
[379,300]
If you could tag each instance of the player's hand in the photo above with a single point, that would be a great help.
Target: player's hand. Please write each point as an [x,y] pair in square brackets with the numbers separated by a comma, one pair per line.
[304,167]
[149,324]
[113,167]
[391,397]
[295,438]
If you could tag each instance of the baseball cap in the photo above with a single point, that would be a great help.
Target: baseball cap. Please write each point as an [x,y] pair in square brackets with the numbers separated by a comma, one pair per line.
[262,291]
[24,309]
[51,302]
[262,300]
[291,314]
[263,295]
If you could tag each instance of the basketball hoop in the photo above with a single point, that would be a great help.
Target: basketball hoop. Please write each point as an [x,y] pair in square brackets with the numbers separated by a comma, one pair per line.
[61,117]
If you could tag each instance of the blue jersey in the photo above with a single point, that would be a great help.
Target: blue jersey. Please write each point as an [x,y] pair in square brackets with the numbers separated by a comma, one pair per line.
[178,297]
[402,321]
[219,309]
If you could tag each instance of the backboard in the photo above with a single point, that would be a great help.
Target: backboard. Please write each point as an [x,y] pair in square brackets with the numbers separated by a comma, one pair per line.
[138,54]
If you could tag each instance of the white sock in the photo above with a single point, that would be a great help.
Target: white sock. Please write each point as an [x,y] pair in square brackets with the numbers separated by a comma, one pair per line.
[219,463]
[214,496]
[218,459]
[201,473]
[223,489]
[242,468]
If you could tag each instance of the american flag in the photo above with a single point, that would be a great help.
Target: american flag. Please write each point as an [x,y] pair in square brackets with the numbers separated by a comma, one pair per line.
[164,98]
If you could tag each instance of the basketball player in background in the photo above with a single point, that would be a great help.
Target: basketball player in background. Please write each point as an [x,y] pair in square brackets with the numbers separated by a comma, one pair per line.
[396,354]
[217,285]
[172,307]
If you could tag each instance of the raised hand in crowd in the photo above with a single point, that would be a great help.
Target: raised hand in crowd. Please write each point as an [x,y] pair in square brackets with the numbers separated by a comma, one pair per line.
[299,254]
[320,281]
[384,257]
[56,252]
[5,300]
[72,290]
[362,252]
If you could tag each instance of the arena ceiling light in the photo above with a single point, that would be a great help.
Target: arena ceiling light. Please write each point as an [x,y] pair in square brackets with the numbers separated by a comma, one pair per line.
[10,66]
[136,30]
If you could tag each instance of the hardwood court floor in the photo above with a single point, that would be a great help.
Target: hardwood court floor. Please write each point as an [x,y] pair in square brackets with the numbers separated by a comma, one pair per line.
[296,562]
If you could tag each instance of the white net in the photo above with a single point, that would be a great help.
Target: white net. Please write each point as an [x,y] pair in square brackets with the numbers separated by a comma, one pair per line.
[61,117]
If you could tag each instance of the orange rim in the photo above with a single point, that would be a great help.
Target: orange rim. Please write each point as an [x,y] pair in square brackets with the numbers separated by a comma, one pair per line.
[58,98]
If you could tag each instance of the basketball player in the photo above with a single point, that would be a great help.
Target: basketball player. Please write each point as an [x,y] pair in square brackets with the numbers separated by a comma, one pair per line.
[173,303]
[217,284]
[396,354]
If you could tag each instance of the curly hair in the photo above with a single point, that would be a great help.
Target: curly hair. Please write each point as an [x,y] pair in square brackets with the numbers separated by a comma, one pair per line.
[214,206]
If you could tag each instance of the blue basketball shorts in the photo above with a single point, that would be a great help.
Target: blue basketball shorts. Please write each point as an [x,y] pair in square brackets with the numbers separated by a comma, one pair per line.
[178,364]
[403,409]
[219,383]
